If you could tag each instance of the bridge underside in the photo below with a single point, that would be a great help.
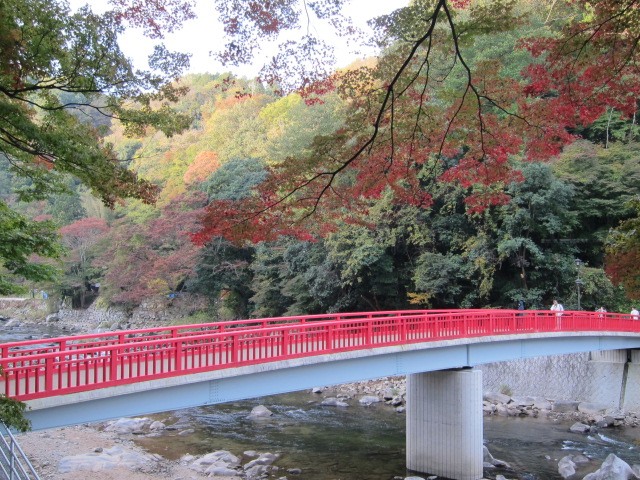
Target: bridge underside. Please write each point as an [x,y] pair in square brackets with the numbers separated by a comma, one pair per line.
[229,385]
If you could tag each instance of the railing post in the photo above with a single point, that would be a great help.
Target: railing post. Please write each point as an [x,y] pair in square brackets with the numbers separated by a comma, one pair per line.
[285,342]
[48,374]
[113,371]
[178,354]
[234,348]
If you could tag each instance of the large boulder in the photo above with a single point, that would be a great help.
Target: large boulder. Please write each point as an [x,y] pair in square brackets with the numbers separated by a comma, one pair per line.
[613,468]
[115,457]
[128,425]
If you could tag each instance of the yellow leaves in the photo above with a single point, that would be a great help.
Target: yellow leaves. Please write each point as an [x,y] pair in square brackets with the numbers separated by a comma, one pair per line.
[422,299]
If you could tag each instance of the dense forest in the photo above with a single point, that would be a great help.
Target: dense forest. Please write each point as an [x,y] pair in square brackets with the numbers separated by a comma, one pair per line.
[563,231]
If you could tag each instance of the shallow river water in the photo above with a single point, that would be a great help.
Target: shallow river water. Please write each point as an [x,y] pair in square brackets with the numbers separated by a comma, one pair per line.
[368,443]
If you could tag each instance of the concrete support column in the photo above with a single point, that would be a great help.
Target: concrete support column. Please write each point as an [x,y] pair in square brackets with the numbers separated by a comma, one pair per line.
[444,423]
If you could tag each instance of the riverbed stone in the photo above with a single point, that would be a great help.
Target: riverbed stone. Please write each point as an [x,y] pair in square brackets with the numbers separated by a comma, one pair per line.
[157,426]
[579,427]
[221,471]
[221,459]
[565,406]
[108,459]
[502,410]
[334,402]
[263,459]
[613,468]
[495,397]
[369,399]
[523,401]
[566,466]
[260,411]
[591,408]
[128,425]
[542,403]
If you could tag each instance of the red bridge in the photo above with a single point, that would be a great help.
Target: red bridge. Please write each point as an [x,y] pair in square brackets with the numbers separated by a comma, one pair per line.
[33,369]
[90,378]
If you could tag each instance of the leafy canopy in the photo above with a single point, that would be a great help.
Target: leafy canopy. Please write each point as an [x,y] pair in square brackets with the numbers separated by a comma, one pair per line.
[433,100]
[61,72]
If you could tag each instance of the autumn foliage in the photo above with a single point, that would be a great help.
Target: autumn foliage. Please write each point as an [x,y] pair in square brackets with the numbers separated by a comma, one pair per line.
[415,121]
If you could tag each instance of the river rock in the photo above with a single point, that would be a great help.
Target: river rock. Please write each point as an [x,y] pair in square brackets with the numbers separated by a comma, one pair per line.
[334,402]
[502,410]
[155,426]
[115,457]
[566,466]
[263,459]
[580,428]
[591,408]
[565,406]
[316,390]
[221,471]
[52,318]
[542,404]
[369,399]
[128,425]
[260,412]
[221,459]
[494,397]
[523,401]
[613,468]
[490,461]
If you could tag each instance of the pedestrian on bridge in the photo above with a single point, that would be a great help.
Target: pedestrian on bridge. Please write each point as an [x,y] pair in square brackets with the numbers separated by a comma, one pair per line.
[558,308]
[634,313]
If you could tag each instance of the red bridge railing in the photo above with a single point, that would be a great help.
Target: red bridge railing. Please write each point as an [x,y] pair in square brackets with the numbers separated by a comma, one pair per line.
[43,368]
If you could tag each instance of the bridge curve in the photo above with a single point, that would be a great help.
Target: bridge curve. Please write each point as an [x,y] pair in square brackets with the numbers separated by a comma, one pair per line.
[92,378]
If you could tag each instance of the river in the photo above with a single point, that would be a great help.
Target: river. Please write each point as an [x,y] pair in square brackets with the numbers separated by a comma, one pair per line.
[368,443]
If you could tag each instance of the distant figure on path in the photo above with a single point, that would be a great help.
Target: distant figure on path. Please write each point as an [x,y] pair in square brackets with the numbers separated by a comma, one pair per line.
[634,313]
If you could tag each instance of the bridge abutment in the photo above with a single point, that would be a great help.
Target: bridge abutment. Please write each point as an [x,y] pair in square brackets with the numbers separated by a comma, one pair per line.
[444,423]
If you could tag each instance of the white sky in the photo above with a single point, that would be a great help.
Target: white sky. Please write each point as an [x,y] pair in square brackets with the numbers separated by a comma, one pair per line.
[204,34]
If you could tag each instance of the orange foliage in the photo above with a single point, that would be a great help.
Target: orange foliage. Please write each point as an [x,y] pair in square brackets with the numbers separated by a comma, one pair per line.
[205,164]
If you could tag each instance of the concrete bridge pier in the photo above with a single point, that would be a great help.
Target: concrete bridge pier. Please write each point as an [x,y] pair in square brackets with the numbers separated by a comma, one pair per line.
[444,423]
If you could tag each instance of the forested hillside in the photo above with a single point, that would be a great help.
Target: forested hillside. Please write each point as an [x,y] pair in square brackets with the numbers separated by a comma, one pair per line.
[558,228]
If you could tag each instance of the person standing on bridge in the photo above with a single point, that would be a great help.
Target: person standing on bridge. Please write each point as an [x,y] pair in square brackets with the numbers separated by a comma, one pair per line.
[634,313]
[558,308]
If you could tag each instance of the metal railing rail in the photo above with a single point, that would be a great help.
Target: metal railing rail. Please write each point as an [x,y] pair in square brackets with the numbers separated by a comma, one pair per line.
[14,464]
[88,362]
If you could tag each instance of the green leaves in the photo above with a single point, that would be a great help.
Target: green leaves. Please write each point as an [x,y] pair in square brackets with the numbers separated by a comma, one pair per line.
[20,240]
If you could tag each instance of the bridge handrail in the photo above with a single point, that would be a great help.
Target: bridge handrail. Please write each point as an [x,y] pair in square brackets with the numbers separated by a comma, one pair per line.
[56,344]
[45,373]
